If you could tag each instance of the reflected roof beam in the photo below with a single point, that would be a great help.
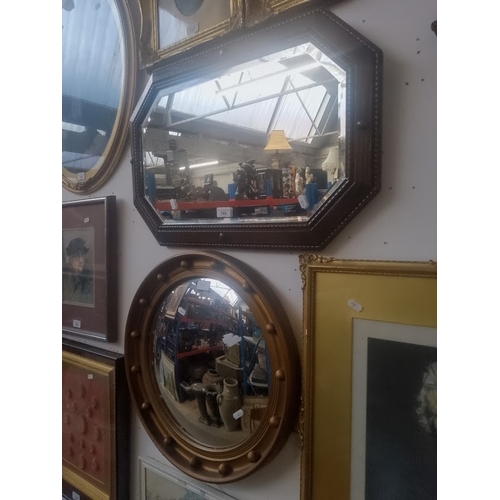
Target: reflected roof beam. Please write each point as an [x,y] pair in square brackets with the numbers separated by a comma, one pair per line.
[305,108]
[279,105]
[254,101]
[284,72]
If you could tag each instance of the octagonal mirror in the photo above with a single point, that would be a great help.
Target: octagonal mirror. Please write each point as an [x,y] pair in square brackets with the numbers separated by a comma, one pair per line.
[268,140]
[212,366]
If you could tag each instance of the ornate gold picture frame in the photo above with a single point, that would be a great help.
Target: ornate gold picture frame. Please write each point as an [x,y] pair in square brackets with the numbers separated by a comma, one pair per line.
[257,11]
[336,294]
[95,423]
[169,28]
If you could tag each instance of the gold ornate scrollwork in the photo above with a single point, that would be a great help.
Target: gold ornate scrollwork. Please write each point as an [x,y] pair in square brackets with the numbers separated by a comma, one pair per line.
[306,259]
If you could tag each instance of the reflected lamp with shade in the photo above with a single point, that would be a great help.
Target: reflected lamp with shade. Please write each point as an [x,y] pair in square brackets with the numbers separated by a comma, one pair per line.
[278,143]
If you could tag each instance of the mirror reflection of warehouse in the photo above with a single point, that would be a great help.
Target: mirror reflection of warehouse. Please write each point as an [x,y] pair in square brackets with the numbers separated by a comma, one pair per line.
[191,328]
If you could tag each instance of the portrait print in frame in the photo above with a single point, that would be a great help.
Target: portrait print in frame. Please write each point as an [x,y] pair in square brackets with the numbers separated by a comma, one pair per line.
[340,458]
[78,267]
[178,20]
[394,411]
[89,268]
[170,27]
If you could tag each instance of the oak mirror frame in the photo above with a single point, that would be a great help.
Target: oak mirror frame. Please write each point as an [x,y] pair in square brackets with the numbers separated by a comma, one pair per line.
[302,75]
[192,454]
[99,66]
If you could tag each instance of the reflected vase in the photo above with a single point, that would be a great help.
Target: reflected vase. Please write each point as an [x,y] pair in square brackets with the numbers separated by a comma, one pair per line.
[229,402]
[199,392]
[212,391]
[211,376]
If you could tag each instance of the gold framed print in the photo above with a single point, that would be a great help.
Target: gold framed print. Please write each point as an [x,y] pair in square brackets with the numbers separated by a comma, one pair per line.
[173,26]
[257,11]
[369,378]
[95,423]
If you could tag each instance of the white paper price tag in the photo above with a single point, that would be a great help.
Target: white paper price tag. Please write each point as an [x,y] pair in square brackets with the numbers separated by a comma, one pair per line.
[237,414]
[77,323]
[303,201]
[193,28]
[75,495]
[181,311]
[224,211]
[173,204]
[90,376]
[354,305]
[80,176]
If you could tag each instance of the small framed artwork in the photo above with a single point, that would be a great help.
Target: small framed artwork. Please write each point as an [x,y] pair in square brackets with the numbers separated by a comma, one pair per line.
[173,26]
[95,423]
[369,411]
[160,482]
[89,268]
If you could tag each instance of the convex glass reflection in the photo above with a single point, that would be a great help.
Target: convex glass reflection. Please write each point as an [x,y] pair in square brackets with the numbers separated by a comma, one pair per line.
[211,362]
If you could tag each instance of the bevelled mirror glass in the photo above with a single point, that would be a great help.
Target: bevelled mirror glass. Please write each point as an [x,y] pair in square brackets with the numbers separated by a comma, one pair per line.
[212,366]
[268,140]
[98,76]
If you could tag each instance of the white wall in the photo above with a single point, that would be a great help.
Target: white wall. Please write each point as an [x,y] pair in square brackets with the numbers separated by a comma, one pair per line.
[399,224]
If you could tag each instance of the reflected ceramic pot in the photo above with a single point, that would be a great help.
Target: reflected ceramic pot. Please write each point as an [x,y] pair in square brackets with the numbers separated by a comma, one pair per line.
[196,371]
[211,392]
[199,392]
[212,377]
[229,402]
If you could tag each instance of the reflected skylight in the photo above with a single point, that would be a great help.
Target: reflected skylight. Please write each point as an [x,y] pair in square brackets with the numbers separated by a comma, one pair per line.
[293,90]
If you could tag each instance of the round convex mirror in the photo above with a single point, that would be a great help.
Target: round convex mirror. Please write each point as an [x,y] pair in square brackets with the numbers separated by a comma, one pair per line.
[212,365]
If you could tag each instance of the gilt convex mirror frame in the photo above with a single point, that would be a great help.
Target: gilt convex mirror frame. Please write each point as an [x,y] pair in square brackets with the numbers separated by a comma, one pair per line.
[99,67]
[264,420]
[206,168]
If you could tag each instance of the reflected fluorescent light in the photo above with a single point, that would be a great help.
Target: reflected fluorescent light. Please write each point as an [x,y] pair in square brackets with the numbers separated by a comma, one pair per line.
[73,127]
[204,164]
